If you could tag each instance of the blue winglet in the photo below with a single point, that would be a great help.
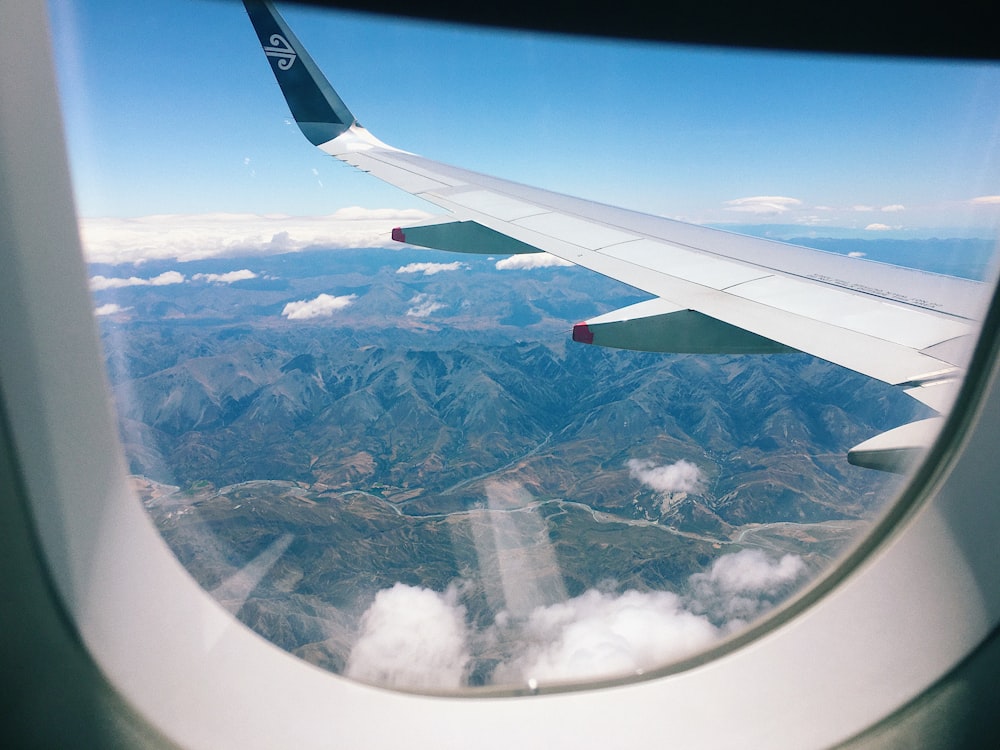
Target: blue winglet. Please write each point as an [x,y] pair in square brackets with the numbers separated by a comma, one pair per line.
[320,113]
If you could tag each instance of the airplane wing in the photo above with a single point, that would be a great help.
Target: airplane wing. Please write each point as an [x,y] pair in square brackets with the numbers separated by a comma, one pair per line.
[715,291]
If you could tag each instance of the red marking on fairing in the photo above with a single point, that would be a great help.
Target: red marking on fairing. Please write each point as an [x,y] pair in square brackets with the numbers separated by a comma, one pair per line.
[583,334]
[397,235]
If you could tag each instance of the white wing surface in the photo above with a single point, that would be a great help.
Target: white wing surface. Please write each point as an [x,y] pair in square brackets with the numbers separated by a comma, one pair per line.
[715,291]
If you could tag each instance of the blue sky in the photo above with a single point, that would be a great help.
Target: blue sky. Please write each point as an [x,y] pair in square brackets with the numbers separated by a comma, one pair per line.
[172,109]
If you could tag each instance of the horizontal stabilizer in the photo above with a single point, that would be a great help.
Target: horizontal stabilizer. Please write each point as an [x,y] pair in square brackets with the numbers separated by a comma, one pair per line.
[898,449]
[462,237]
[661,326]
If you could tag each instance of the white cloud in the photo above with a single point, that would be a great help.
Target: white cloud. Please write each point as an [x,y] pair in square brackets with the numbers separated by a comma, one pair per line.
[225,278]
[861,208]
[110,309]
[856,254]
[742,586]
[423,305]
[98,283]
[986,200]
[412,637]
[323,306]
[876,227]
[358,213]
[894,208]
[812,221]
[750,570]
[528,261]
[680,476]
[417,638]
[197,236]
[763,204]
[429,269]
[601,635]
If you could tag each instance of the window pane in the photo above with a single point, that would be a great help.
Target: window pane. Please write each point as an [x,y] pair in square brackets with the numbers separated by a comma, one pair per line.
[394,462]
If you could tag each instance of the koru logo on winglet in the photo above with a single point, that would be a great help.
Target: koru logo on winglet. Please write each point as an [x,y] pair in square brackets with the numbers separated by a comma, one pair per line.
[281,51]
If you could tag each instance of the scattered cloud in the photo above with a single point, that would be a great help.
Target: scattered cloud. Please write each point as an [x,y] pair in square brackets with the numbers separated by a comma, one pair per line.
[862,208]
[600,634]
[763,204]
[986,200]
[876,227]
[894,208]
[185,237]
[680,476]
[412,637]
[110,309]
[225,278]
[98,283]
[429,269]
[323,306]
[417,638]
[528,261]
[740,587]
[423,305]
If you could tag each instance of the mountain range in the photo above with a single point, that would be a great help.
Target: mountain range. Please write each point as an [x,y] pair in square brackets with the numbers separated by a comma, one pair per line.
[432,425]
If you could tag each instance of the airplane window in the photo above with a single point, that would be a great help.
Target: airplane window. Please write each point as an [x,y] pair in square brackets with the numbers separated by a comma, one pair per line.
[404,464]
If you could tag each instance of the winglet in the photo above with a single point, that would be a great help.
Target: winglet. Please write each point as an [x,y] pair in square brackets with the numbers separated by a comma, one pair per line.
[320,113]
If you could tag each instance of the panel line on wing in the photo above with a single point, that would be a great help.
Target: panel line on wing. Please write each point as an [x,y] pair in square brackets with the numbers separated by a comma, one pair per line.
[700,268]
[576,231]
[406,179]
[907,326]
[494,204]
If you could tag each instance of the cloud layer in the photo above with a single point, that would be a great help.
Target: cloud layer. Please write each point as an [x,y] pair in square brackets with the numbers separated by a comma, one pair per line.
[187,237]
[763,204]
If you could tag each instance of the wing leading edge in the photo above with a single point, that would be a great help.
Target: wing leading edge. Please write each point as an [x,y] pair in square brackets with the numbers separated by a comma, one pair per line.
[716,291]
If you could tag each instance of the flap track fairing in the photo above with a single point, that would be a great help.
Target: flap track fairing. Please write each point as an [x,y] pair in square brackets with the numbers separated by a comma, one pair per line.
[660,326]
[462,237]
